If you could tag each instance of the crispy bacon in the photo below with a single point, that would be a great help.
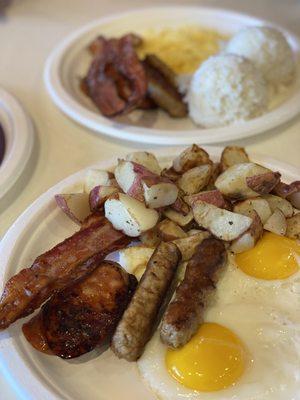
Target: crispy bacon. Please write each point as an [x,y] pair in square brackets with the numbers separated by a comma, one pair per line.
[57,268]
[116,80]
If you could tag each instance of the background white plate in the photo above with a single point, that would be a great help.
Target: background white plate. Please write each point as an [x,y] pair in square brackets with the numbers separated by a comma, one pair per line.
[70,61]
[40,377]
[18,132]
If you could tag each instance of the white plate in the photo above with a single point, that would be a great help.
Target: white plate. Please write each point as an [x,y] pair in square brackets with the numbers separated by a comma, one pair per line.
[70,61]
[37,376]
[18,132]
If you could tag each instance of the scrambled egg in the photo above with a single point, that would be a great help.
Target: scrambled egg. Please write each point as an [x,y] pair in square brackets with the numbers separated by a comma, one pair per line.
[184,48]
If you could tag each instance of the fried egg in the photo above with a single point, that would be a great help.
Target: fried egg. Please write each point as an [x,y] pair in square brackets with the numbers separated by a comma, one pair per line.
[248,347]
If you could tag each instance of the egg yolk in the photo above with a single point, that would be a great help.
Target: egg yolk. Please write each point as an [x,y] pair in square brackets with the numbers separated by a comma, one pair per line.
[212,360]
[273,257]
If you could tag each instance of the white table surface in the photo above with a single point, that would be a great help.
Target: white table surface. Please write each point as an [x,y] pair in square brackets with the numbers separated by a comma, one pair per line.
[29,29]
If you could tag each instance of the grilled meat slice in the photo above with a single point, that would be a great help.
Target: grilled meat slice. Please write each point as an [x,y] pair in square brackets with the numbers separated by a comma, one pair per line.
[136,326]
[163,92]
[184,314]
[85,315]
[116,80]
[61,266]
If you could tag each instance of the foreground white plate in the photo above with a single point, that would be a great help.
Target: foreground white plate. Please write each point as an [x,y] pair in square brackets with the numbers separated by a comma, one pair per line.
[18,132]
[70,61]
[40,377]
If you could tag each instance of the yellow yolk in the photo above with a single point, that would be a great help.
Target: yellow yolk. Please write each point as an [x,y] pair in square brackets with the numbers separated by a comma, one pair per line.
[212,360]
[273,257]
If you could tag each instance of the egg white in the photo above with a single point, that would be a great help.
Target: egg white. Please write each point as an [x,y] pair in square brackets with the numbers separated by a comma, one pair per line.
[265,316]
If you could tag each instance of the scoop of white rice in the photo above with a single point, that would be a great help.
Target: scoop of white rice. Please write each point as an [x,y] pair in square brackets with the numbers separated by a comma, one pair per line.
[225,89]
[268,49]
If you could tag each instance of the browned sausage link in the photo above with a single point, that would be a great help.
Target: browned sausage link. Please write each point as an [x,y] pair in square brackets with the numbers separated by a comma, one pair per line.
[184,313]
[135,328]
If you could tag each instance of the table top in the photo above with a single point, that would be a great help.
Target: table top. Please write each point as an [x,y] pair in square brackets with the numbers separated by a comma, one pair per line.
[29,30]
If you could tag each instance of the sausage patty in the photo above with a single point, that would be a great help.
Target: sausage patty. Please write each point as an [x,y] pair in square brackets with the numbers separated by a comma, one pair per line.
[136,326]
[184,314]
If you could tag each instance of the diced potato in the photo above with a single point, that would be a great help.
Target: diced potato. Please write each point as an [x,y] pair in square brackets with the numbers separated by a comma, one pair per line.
[180,205]
[130,215]
[249,238]
[99,194]
[168,230]
[214,197]
[170,173]
[260,205]
[159,195]
[96,177]
[223,224]
[187,245]
[195,179]
[286,189]
[232,155]
[192,232]
[232,182]
[263,183]
[293,227]
[276,223]
[180,219]
[150,238]
[146,159]
[278,202]
[294,199]
[216,171]
[135,259]
[74,205]
[125,175]
[191,157]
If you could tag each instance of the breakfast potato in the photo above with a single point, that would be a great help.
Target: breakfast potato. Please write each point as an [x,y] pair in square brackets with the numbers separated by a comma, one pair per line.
[195,179]
[169,230]
[170,173]
[263,183]
[214,197]
[180,219]
[276,223]
[146,159]
[130,215]
[232,155]
[150,238]
[232,182]
[126,177]
[294,199]
[286,189]
[260,205]
[187,245]
[180,205]
[99,194]
[191,157]
[159,194]
[278,202]
[216,171]
[135,259]
[249,238]
[74,205]
[223,224]
[97,177]
[293,227]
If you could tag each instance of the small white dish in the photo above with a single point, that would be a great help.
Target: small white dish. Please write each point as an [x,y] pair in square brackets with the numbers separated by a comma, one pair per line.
[70,61]
[18,133]
[38,376]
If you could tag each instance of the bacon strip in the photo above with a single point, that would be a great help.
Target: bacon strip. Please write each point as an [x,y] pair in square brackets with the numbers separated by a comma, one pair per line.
[57,268]
[116,80]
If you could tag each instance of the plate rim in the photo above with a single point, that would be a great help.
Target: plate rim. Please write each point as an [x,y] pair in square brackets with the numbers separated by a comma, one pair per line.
[20,133]
[29,385]
[103,126]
